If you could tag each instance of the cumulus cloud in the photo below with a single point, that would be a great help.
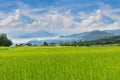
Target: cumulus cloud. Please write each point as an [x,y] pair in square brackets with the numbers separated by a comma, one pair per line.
[96,19]
[27,18]
[11,21]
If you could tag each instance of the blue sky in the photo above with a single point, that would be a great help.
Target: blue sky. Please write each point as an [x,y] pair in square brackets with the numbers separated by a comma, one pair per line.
[59,15]
[8,5]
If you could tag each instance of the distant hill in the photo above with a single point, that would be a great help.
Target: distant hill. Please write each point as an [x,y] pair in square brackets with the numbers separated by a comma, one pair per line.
[86,36]
[115,32]
[30,34]
[78,35]
[58,40]
[97,35]
[90,35]
[113,40]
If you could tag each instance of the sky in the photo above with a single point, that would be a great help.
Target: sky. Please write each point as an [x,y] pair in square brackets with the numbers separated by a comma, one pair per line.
[68,16]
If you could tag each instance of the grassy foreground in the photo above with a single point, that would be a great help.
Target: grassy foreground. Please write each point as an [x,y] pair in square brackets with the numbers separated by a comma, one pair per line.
[60,63]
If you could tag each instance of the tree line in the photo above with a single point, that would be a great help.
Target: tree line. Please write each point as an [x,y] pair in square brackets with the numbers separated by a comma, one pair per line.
[102,41]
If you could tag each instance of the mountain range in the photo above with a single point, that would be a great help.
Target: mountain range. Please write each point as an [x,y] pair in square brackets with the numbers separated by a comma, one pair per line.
[30,34]
[91,35]
[86,36]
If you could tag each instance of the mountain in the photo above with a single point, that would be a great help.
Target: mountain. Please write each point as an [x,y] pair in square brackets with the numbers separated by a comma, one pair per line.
[30,34]
[97,35]
[78,35]
[90,35]
[115,32]
[113,40]
[16,34]
[34,36]
[56,41]
[86,36]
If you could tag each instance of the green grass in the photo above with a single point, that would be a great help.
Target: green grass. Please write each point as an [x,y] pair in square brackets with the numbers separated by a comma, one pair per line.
[60,63]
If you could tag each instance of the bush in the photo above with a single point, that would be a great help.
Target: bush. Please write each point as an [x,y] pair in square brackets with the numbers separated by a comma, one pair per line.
[4,41]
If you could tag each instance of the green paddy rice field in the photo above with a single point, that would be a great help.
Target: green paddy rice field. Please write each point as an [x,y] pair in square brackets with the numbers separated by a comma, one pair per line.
[60,63]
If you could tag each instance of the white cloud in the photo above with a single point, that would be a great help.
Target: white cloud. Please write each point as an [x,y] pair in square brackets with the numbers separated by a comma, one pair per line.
[92,19]
[54,19]
[96,21]
[11,20]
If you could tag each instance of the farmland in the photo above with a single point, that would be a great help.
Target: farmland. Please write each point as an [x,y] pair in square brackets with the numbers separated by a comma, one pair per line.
[60,63]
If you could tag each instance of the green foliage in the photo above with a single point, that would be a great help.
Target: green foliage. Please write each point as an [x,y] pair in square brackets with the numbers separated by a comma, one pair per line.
[60,63]
[102,41]
[4,41]
[45,44]
[28,44]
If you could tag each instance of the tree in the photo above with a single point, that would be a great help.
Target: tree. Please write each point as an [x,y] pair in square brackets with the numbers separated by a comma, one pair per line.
[28,44]
[45,44]
[19,45]
[4,41]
